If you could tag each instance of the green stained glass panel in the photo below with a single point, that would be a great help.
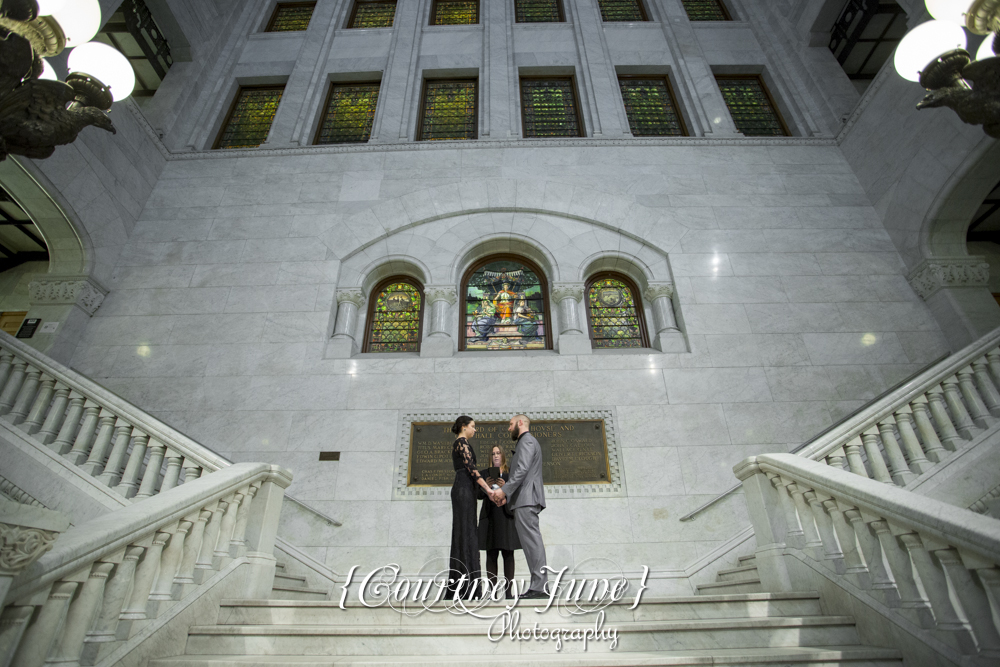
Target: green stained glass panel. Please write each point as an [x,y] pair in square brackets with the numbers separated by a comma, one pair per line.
[377,14]
[504,308]
[291,17]
[251,118]
[650,108]
[449,111]
[621,10]
[614,320]
[456,12]
[550,108]
[751,108]
[537,11]
[395,323]
[349,114]
[705,10]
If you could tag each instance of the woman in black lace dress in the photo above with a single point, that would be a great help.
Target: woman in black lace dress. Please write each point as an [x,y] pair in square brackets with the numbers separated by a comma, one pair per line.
[464,539]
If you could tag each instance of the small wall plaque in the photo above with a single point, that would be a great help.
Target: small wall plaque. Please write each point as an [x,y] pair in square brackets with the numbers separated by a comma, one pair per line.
[28,328]
[329,456]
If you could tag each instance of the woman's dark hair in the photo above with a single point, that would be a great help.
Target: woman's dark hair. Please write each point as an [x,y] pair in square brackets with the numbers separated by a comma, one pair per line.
[461,423]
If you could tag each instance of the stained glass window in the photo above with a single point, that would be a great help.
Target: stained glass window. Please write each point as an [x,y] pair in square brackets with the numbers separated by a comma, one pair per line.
[350,110]
[250,118]
[622,10]
[373,14]
[537,11]
[291,16]
[449,111]
[505,307]
[751,107]
[549,108]
[706,10]
[615,313]
[650,107]
[394,317]
[455,12]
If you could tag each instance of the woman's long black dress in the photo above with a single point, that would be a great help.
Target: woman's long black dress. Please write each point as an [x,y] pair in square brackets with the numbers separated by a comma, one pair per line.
[496,525]
[464,540]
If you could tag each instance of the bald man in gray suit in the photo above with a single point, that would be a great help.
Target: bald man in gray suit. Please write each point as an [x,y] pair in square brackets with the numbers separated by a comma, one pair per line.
[526,495]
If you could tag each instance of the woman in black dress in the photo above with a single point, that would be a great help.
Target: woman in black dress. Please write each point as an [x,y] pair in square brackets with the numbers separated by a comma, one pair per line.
[497,533]
[464,540]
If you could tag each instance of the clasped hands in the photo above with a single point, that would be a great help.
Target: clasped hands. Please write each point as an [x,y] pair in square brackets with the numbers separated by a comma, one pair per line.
[497,495]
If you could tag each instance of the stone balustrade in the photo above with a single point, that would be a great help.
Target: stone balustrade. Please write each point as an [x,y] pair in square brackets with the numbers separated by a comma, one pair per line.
[105,580]
[927,565]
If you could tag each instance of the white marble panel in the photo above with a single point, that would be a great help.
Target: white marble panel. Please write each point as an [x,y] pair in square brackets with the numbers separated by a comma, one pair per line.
[739,289]
[257,359]
[426,524]
[308,273]
[202,252]
[271,298]
[716,319]
[298,392]
[139,277]
[701,265]
[95,361]
[283,250]
[194,329]
[403,391]
[856,382]
[801,383]
[656,519]
[716,385]
[652,471]
[825,240]
[822,289]
[769,318]
[565,521]
[709,469]
[232,274]
[129,330]
[530,390]
[782,350]
[344,430]
[840,217]
[177,394]
[636,387]
[672,425]
[740,350]
[366,475]
[186,301]
[923,347]
[365,523]
[775,264]
[860,263]
[250,228]
[893,316]
[747,217]
[853,348]
[162,361]
[295,327]
[245,433]
[776,423]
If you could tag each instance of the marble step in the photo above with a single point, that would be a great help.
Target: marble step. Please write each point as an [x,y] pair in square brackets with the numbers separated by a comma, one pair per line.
[289,612]
[290,580]
[742,573]
[826,656]
[746,560]
[285,592]
[316,640]
[727,587]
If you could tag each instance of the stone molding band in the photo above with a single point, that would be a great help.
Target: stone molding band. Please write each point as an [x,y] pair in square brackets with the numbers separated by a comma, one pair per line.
[68,290]
[935,274]
[355,296]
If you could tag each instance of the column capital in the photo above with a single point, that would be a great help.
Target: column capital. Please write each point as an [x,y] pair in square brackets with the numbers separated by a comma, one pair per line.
[441,293]
[935,274]
[561,291]
[351,295]
[656,290]
[82,291]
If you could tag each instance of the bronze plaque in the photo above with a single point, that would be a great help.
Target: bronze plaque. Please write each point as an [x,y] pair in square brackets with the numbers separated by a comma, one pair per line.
[573,451]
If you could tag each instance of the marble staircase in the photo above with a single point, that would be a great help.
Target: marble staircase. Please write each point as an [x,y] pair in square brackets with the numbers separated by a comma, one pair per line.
[743,578]
[294,587]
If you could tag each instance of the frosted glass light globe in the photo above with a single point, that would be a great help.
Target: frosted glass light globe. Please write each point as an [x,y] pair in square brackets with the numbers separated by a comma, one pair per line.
[50,7]
[48,72]
[79,19]
[925,43]
[986,48]
[948,10]
[107,64]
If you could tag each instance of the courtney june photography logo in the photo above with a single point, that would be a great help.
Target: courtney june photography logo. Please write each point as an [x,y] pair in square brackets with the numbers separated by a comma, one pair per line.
[574,611]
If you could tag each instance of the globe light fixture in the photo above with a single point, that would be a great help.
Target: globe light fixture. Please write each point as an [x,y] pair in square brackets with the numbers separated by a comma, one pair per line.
[934,54]
[50,7]
[48,73]
[107,64]
[80,20]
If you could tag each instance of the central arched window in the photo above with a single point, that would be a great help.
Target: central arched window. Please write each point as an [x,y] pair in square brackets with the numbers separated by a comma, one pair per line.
[614,312]
[506,306]
[395,316]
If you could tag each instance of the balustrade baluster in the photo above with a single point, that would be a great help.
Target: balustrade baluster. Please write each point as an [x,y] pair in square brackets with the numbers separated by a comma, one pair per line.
[169,564]
[130,478]
[977,409]
[813,542]
[13,621]
[854,560]
[959,414]
[211,537]
[40,406]
[106,628]
[6,364]
[911,444]
[39,636]
[947,617]
[975,606]
[993,361]
[852,451]
[192,470]
[145,575]
[81,615]
[12,387]
[151,477]
[835,458]
[238,543]
[901,474]
[173,471]
[228,525]
[794,536]
[88,431]
[99,452]
[57,412]
[872,440]
[911,600]
[831,547]
[989,577]
[26,396]
[871,550]
[987,389]
[67,430]
[950,437]
[931,444]
[192,547]
[112,474]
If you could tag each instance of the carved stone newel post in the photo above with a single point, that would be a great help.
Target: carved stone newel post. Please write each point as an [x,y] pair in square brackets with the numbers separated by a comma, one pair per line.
[572,337]
[439,343]
[667,337]
[26,533]
[344,343]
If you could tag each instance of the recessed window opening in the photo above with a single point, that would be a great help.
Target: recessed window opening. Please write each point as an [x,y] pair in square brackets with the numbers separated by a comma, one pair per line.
[291,17]
[865,36]
[706,10]
[622,10]
[751,106]
[614,312]
[450,110]
[550,107]
[249,119]
[538,11]
[651,107]
[506,306]
[395,316]
[372,14]
[132,30]
[455,12]
[349,113]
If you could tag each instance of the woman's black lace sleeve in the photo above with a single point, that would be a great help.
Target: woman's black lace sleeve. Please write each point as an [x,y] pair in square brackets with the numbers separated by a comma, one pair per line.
[466,453]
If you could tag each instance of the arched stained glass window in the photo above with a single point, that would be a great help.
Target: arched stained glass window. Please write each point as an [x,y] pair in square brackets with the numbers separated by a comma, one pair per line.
[614,312]
[395,315]
[506,306]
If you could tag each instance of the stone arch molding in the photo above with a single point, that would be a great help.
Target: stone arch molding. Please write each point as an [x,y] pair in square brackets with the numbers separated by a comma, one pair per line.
[565,243]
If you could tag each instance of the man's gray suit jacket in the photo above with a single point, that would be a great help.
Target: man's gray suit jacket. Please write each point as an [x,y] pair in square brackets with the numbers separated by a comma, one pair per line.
[524,487]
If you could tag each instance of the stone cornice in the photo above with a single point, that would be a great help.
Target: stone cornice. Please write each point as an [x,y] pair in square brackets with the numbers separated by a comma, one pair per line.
[351,295]
[562,291]
[441,293]
[81,291]
[934,274]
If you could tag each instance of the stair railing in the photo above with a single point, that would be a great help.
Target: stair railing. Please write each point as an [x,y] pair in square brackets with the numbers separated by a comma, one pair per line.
[930,565]
[105,580]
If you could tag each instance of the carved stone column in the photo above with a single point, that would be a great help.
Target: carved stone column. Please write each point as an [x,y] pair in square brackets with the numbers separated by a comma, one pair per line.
[667,337]
[26,533]
[344,343]
[572,337]
[440,342]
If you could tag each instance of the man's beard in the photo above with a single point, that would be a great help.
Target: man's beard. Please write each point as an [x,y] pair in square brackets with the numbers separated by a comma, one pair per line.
[516,433]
